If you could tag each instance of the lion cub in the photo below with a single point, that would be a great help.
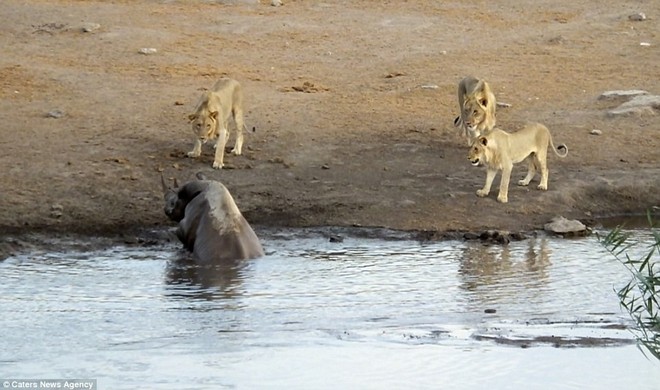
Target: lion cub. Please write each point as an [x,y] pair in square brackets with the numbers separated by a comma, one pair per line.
[211,119]
[476,103]
[499,150]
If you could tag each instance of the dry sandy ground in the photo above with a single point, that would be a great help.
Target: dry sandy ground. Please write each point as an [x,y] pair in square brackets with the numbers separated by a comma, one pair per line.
[353,102]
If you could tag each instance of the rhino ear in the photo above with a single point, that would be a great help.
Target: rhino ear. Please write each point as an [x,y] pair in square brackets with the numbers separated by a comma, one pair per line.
[176,184]
[162,183]
[479,87]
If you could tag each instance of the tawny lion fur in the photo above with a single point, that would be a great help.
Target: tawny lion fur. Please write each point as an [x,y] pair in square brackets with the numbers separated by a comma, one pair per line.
[211,119]
[476,103]
[499,150]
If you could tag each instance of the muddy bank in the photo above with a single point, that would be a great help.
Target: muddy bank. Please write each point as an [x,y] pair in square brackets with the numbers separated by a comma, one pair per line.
[353,106]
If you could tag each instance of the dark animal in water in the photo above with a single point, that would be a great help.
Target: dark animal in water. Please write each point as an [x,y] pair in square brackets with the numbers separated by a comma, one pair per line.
[210,224]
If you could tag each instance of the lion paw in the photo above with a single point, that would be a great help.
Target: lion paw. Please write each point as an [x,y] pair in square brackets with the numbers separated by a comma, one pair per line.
[193,154]
[542,187]
[523,182]
[482,193]
[502,199]
[236,152]
[217,165]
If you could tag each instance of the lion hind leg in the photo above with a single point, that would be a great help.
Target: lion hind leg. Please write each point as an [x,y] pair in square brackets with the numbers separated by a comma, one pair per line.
[541,161]
[531,172]
[240,125]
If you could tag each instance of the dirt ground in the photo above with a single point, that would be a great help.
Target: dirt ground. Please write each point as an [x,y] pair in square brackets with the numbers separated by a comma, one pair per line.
[352,101]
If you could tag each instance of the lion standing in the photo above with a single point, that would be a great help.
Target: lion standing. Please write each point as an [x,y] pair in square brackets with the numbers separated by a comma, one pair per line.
[476,103]
[499,150]
[211,119]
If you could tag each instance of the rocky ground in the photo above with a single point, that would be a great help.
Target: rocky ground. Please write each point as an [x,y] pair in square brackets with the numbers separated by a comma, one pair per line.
[352,101]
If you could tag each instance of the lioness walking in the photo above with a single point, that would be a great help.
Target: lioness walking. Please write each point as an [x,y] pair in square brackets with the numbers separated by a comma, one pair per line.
[476,103]
[211,119]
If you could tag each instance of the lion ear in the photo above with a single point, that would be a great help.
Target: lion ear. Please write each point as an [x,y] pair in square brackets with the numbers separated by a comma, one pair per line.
[483,102]
[192,117]
[483,141]
[213,114]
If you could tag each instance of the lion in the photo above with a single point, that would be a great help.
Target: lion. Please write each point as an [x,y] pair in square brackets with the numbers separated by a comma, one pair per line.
[499,150]
[476,103]
[211,119]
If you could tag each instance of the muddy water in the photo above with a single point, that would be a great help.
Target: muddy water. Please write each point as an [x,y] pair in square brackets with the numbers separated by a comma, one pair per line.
[362,313]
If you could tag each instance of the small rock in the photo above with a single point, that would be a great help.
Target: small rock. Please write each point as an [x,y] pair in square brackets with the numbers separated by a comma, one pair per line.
[471,236]
[640,104]
[563,226]
[335,238]
[644,44]
[618,94]
[325,166]
[638,17]
[490,311]
[148,50]
[595,132]
[55,114]
[89,27]
[276,3]
[503,105]
[429,86]
[56,210]
[518,236]
[558,40]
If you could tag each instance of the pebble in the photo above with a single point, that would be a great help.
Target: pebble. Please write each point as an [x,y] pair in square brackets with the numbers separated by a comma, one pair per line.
[56,210]
[148,50]
[638,17]
[89,27]
[595,132]
[276,3]
[55,114]
[644,44]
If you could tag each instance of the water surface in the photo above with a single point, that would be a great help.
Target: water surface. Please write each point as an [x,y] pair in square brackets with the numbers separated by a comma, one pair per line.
[362,313]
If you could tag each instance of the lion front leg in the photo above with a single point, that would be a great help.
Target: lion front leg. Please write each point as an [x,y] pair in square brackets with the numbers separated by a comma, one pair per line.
[197,149]
[490,176]
[503,196]
[218,161]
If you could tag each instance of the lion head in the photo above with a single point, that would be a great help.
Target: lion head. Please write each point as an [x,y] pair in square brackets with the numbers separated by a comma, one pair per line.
[204,125]
[480,152]
[477,112]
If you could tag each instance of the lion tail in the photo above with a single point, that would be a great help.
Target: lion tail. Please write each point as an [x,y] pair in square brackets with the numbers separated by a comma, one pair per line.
[561,150]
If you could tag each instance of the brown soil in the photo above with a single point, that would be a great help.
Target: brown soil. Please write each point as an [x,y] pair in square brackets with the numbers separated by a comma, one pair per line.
[353,104]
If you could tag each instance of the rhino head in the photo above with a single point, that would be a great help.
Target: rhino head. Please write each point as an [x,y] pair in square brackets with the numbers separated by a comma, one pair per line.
[175,207]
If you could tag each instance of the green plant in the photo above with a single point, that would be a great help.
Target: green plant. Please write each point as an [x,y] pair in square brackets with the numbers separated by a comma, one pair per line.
[640,295]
